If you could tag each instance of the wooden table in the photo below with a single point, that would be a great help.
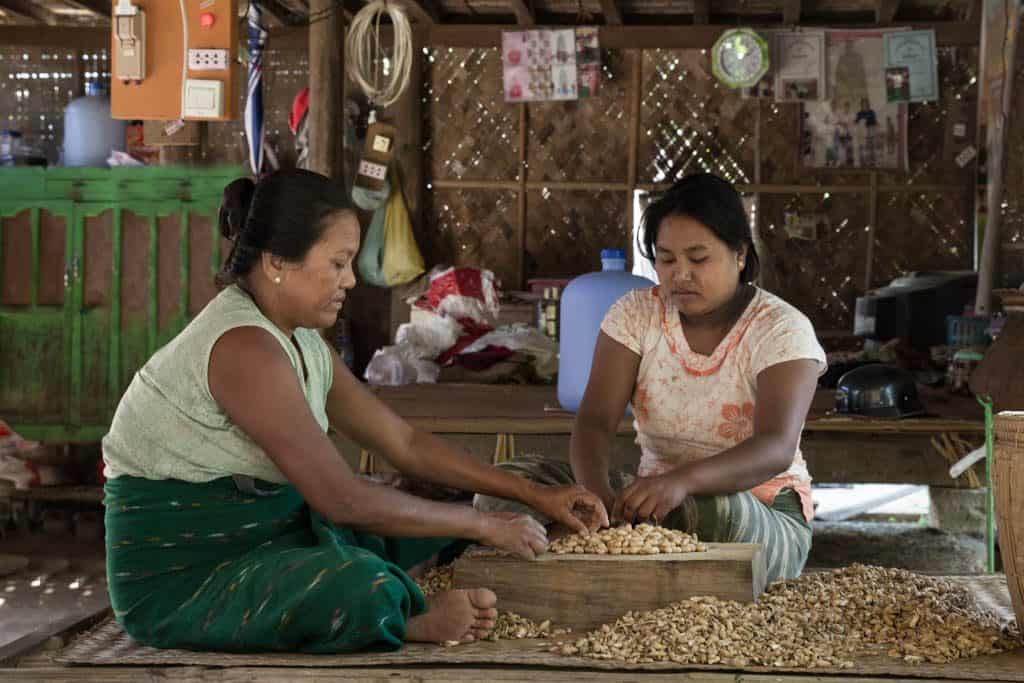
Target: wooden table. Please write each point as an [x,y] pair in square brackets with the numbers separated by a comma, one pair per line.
[838,448]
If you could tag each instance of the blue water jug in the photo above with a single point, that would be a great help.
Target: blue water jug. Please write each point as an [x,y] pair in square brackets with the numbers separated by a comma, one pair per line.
[90,132]
[585,302]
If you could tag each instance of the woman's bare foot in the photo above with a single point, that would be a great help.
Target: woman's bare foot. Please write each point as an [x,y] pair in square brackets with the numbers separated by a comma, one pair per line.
[461,615]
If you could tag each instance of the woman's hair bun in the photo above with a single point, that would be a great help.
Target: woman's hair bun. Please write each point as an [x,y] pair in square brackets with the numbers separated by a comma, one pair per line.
[234,207]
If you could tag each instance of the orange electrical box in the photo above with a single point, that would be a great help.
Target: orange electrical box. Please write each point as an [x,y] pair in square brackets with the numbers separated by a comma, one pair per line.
[171,89]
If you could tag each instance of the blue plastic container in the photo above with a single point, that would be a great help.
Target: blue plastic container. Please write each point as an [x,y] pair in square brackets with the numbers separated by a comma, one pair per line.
[90,132]
[584,304]
[966,330]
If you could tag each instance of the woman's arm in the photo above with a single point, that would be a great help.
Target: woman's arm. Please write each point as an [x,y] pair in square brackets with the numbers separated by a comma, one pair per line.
[358,413]
[252,380]
[784,395]
[612,378]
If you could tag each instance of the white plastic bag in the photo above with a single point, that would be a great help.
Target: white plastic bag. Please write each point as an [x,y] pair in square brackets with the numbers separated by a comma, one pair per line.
[396,366]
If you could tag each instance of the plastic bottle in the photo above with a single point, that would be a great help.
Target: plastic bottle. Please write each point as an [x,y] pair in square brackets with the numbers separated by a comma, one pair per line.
[90,133]
[585,302]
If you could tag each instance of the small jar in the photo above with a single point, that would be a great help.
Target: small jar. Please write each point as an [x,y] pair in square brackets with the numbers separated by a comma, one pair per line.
[958,374]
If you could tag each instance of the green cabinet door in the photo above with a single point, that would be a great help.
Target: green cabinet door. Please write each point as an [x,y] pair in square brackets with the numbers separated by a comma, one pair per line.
[98,269]
[132,299]
[37,272]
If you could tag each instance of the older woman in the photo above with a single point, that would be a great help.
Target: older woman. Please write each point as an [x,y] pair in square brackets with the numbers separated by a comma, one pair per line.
[232,521]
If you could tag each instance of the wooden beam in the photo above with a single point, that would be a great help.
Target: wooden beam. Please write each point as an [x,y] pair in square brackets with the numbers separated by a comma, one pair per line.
[30,10]
[791,12]
[842,457]
[885,11]
[973,11]
[86,38]
[675,37]
[684,36]
[100,8]
[523,11]
[326,81]
[702,11]
[612,13]
[299,8]
[423,11]
[273,14]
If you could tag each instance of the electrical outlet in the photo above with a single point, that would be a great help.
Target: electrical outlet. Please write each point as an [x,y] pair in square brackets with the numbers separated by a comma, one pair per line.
[207,60]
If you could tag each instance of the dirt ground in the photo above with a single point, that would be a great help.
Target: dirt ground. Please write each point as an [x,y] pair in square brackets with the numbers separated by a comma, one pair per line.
[904,545]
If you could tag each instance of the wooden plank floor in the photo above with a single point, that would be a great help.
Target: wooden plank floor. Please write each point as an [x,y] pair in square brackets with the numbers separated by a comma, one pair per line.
[194,674]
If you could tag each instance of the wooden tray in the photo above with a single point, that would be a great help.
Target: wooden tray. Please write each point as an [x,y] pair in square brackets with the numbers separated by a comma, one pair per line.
[584,591]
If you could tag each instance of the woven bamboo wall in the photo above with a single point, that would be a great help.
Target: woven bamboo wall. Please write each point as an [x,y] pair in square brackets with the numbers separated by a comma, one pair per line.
[688,123]
[560,148]
[36,83]
[473,134]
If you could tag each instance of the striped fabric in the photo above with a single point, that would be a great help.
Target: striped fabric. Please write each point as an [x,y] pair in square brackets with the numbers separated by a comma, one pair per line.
[780,528]
[254,90]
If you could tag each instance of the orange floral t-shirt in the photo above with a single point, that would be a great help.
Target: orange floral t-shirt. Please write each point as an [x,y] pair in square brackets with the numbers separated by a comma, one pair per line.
[689,406]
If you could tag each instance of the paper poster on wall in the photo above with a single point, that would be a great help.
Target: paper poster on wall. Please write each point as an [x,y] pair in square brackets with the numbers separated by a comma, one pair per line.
[542,65]
[915,52]
[855,127]
[563,65]
[588,61]
[806,226]
[515,69]
[800,66]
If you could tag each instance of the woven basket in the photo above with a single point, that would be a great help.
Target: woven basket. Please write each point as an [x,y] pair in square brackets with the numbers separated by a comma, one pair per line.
[1008,481]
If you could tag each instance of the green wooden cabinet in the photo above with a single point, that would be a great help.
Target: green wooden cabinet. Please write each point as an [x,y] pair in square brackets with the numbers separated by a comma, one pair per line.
[98,269]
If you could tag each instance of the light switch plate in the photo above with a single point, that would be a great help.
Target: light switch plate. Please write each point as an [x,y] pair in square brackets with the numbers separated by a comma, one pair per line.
[204,99]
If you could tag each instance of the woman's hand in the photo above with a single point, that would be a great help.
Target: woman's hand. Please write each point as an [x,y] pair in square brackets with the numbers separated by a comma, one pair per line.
[514,532]
[572,506]
[650,497]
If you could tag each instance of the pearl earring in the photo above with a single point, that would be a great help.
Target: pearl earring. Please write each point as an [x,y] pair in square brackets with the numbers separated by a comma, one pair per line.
[277,280]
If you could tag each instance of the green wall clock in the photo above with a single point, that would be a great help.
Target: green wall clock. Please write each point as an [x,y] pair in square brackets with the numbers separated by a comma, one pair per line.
[739,58]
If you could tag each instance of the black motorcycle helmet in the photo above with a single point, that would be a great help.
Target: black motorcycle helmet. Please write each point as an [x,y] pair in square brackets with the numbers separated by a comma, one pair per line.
[878,391]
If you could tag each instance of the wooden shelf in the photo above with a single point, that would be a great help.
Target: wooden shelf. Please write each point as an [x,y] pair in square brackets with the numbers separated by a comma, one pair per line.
[82,494]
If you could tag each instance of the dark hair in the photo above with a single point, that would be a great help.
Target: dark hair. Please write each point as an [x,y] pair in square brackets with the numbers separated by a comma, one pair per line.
[710,200]
[283,214]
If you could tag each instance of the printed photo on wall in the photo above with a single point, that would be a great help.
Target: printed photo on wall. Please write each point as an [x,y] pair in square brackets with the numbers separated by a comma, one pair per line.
[855,126]
[800,69]
[897,84]
[588,61]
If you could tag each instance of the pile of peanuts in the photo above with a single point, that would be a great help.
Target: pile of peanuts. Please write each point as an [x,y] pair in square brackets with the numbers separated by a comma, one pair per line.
[508,625]
[642,539]
[818,620]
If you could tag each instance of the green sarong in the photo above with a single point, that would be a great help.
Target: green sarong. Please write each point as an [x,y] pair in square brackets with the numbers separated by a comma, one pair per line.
[780,528]
[214,567]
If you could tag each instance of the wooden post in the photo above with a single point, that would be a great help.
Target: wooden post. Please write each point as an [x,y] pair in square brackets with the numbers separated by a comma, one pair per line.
[998,50]
[524,141]
[407,116]
[635,95]
[872,226]
[326,81]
